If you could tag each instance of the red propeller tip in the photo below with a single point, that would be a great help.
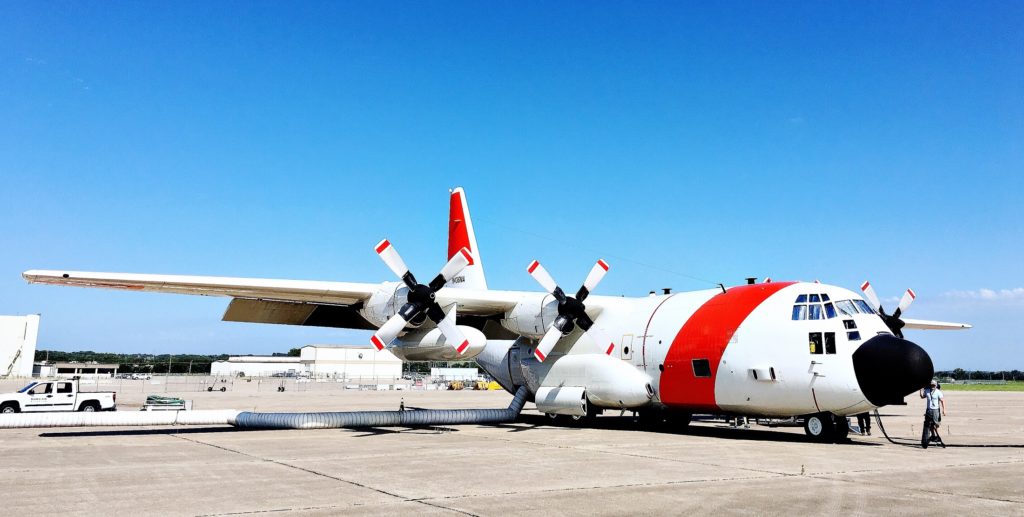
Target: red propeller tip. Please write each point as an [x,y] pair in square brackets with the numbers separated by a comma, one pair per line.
[540,355]
[377,343]
[384,244]
[533,265]
[603,264]
[463,346]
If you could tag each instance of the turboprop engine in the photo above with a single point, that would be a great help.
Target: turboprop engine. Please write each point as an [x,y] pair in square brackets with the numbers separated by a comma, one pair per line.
[431,345]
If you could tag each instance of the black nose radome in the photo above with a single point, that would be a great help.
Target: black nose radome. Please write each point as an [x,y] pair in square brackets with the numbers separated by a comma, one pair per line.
[889,368]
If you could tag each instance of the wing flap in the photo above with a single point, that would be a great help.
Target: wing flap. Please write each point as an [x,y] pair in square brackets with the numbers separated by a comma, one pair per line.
[248,310]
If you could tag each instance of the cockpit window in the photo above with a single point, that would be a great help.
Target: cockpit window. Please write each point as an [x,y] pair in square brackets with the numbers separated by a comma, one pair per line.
[830,311]
[846,307]
[799,312]
[864,307]
[814,311]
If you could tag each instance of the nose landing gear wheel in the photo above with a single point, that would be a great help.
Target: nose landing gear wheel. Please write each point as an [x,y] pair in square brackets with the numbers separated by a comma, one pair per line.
[820,427]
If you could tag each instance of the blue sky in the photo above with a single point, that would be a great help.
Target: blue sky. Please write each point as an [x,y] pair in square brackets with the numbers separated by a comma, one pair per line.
[687,144]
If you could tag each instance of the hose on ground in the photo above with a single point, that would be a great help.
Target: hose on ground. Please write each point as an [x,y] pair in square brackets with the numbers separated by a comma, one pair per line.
[411,418]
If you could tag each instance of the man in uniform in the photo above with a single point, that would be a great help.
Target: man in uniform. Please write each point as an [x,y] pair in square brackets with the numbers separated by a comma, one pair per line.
[935,409]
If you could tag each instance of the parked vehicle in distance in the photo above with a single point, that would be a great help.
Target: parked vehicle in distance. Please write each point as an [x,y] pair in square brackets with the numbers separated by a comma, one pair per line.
[141,376]
[62,395]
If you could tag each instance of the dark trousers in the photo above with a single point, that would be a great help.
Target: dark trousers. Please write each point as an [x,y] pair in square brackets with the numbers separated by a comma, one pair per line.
[864,422]
[931,420]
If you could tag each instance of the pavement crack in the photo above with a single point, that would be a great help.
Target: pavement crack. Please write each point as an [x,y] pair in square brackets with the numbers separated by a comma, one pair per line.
[315,473]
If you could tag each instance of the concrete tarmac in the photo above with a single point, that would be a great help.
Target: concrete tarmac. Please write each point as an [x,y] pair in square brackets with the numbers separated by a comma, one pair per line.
[531,467]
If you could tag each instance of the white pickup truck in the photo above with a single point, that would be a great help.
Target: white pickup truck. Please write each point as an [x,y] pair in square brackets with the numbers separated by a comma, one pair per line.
[60,395]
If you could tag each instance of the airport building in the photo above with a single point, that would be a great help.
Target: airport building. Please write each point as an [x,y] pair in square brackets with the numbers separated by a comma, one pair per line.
[18,336]
[346,362]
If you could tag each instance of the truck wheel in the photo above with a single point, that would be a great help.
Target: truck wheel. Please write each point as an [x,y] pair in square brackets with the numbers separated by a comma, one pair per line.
[223,389]
[9,407]
[89,407]
[820,427]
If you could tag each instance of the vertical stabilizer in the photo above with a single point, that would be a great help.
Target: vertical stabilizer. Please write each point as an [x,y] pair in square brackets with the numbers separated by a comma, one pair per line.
[460,235]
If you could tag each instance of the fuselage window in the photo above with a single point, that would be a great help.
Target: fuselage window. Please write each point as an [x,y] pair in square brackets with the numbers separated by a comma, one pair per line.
[824,297]
[830,342]
[799,312]
[814,311]
[801,299]
[853,335]
[701,368]
[830,312]
[814,341]
[849,324]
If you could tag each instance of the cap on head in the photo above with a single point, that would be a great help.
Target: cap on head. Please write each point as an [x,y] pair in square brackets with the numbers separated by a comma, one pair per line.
[935,382]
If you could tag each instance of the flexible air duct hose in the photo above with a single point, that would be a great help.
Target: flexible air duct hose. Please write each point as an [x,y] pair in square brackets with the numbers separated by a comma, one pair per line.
[416,417]
[249,420]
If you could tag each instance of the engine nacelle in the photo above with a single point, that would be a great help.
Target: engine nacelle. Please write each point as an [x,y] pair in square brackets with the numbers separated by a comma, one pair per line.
[531,318]
[609,382]
[385,302]
[562,400]
[430,345]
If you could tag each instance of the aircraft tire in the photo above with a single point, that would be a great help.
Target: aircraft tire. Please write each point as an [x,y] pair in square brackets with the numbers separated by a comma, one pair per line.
[841,430]
[820,427]
[678,420]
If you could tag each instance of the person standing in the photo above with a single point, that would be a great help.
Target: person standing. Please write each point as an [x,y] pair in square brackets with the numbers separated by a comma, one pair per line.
[864,423]
[935,409]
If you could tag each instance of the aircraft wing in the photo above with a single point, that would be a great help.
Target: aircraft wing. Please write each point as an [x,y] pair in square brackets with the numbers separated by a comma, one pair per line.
[934,325]
[285,302]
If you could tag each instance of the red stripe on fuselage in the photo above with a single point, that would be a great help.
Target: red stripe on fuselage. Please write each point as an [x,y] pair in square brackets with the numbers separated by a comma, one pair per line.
[458,231]
[704,336]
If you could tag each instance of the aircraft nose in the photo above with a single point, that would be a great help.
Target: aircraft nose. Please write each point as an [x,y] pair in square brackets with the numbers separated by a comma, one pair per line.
[889,368]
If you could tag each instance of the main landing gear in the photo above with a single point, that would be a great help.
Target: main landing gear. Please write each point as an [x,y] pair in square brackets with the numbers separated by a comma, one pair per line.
[826,427]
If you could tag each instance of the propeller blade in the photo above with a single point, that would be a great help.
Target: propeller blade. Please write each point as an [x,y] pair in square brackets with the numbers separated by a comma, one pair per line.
[388,332]
[602,340]
[458,262]
[596,274]
[542,277]
[908,298]
[547,343]
[872,297]
[452,334]
[394,261]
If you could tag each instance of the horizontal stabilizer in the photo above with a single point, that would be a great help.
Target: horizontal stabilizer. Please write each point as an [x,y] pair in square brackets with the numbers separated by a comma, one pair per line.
[934,325]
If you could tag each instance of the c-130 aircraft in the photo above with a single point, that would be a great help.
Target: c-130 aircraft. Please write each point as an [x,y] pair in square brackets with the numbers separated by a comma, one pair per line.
[773,349]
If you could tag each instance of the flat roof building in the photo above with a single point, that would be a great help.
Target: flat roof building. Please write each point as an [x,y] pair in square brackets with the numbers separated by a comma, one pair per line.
[347,362]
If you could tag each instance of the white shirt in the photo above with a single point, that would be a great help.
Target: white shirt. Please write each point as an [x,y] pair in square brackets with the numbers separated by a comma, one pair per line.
[933,396]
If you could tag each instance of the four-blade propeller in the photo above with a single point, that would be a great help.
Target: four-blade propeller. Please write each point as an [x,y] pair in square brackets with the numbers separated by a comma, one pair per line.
[893,320]
[421,301]
[571,311]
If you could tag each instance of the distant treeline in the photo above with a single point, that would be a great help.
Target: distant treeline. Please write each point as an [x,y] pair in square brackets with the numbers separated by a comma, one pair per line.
[977,375]
[138,363]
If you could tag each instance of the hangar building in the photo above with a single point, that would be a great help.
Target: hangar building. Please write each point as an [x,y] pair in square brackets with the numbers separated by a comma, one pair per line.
[18,345]
[349,362]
